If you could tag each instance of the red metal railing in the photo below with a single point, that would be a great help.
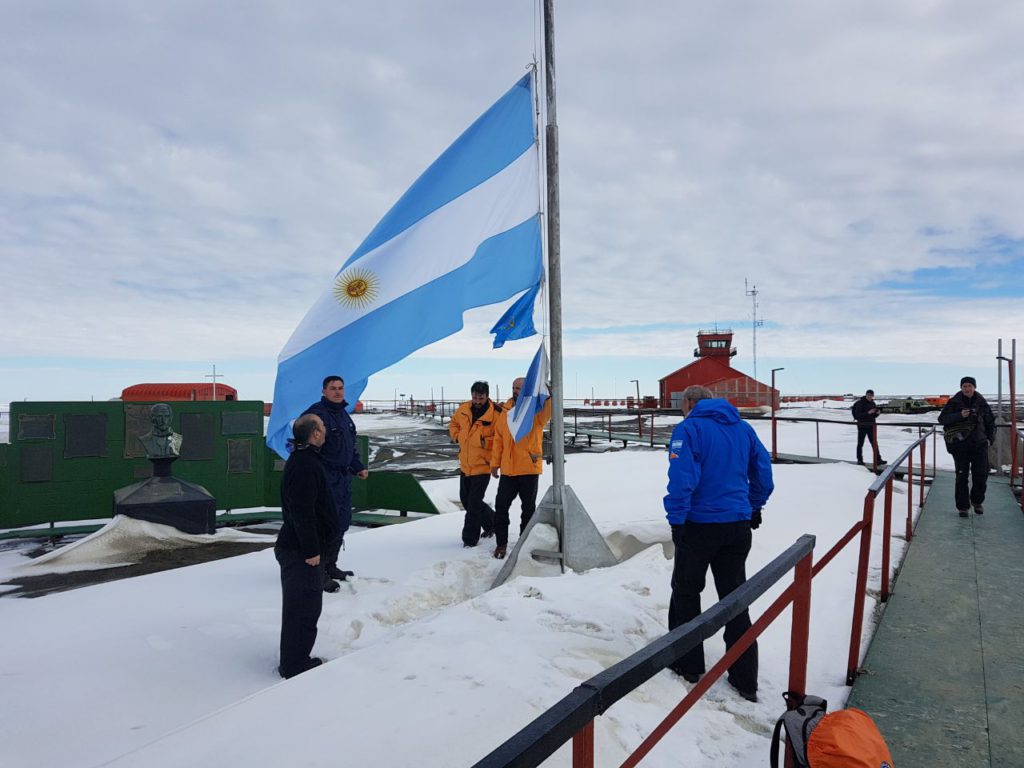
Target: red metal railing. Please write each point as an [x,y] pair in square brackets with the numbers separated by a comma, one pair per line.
[883,482]
[799,594]
[517,751]
[1016,439]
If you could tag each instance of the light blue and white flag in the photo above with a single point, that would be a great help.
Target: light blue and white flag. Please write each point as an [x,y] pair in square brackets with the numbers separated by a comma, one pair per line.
[465,234]
[531,397]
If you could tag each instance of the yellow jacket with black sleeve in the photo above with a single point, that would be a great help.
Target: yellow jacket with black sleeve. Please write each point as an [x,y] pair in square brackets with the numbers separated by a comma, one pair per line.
[475,438]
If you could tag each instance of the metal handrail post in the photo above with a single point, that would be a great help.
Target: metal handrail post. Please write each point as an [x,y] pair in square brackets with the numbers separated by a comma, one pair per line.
[935,457]
[886,533]
[910,494]
[583,747]
[920,498]
[775,452]
[874,447]
[801,626]
[1013,410]
[860,589]
[817,440]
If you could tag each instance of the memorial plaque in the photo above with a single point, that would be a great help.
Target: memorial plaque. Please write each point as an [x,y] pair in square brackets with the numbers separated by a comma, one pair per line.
[239,456]
[36,463]
[136,424]
[32,426]
[279,465]
[85,435]
[197,436]
[240,423]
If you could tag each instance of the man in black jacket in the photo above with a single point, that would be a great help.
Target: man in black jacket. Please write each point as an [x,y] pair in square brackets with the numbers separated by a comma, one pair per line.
[309,524]
[969,429]
[341,461]
[864,413]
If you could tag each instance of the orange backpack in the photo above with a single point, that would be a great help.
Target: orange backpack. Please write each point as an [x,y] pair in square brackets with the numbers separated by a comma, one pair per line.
[844,739]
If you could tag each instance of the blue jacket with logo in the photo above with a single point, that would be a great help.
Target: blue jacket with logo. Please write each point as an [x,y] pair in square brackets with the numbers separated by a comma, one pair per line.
[718,471]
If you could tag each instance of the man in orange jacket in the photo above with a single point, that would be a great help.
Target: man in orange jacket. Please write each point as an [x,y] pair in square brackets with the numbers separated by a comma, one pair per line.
[520,466]
[472,427]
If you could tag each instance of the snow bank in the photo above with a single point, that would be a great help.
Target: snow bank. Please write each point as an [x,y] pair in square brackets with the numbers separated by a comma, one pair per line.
[426,667]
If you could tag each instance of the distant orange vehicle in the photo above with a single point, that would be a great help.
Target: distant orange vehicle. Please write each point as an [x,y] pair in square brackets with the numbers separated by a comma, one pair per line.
[937,400]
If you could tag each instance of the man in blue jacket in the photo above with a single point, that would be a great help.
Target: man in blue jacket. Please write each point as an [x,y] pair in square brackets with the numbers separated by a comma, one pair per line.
[340,460]
[719,478]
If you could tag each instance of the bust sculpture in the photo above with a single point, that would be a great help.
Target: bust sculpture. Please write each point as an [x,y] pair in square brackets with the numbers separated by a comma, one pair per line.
[162,442]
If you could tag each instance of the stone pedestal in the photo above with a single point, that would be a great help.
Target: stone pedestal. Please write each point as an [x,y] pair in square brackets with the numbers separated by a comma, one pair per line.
[168,500]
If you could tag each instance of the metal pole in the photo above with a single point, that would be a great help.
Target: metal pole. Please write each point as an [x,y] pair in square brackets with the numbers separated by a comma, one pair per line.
[999,376]
[1013,412]
[801,626]
[554,259]
[910,494]
[886,533]
[861,588]
[1012,366]
[775,455]
[920,486]
[583,747]
[639,415]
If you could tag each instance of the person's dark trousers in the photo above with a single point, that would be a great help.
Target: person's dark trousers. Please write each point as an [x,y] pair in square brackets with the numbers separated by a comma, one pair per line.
[865,431]
[479,515]
[340,486]
[973,464]
[724,547]
[510,486]
[302,598]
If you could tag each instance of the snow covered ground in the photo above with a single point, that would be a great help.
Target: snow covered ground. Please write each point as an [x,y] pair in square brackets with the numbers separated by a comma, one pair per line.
[427,666]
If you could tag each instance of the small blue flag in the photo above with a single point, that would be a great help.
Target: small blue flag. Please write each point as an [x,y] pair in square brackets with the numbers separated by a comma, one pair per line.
[517,322]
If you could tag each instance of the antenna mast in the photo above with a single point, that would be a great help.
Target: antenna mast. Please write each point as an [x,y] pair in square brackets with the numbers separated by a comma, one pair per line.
[751,291]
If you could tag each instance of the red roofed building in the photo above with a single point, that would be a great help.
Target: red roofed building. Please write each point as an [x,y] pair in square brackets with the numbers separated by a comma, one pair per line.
[714,370]
[153,392]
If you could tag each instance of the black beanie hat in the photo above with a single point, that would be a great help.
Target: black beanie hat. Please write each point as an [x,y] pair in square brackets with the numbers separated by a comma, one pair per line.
[968,380]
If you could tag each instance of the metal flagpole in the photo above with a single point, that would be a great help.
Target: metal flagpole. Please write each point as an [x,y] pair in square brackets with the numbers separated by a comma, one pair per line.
[554,260]
[581,545]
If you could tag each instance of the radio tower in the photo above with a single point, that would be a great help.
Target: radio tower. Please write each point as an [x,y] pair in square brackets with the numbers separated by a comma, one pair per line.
[751,291]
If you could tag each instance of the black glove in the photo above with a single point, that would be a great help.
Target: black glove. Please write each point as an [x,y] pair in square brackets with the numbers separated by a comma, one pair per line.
[755,519]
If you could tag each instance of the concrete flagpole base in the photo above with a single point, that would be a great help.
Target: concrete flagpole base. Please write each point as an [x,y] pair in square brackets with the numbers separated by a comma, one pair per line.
[582,545]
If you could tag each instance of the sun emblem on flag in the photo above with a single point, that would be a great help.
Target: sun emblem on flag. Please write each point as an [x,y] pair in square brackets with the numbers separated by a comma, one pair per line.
[356,288]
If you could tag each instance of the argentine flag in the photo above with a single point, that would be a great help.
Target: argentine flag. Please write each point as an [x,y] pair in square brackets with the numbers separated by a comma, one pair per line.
[465,234]
[531,397]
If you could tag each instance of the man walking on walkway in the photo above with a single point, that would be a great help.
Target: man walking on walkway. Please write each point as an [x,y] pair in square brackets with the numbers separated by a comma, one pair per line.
[341,462]
[864,413]
[308,525]
[969,428]
[472,427]
[719,478]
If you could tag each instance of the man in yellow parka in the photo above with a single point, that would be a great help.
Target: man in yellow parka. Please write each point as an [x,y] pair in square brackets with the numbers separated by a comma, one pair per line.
[472,427]
[520,464]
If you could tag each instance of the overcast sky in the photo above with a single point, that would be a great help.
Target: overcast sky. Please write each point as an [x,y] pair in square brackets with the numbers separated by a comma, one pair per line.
[179,180]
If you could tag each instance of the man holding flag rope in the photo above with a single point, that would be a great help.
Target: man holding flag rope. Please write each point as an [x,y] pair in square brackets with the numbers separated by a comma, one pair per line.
[518,449]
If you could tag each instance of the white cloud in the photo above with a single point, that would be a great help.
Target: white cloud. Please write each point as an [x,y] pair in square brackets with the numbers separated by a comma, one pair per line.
[194,173]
